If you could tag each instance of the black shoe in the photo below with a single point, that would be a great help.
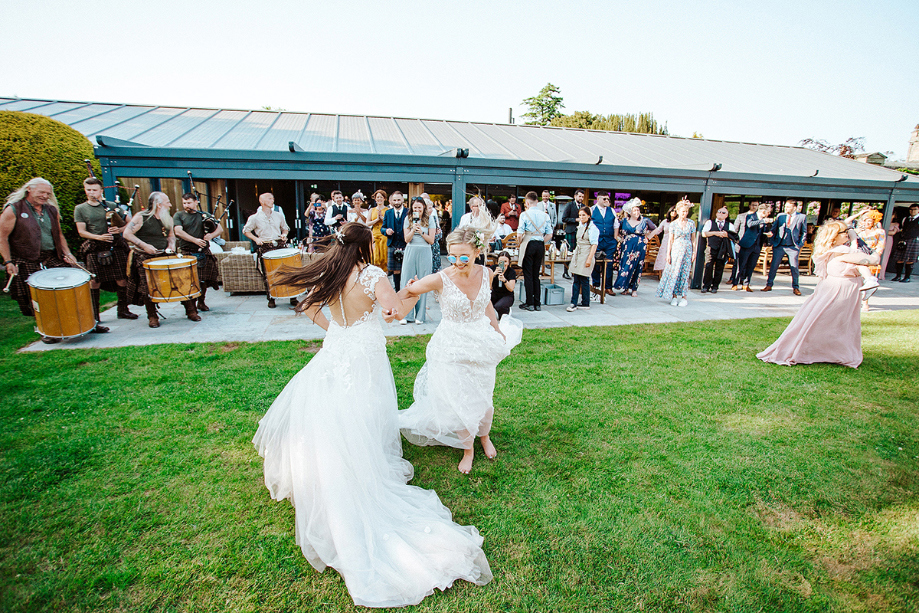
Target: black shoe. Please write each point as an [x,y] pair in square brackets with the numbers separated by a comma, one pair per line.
[126,314]
[895,279]
[293,302]
[905,280]
[271,303]
[704,290]
[50,341]
[526,307]
[714,290]
[537,308]
[565,275]
[99,329]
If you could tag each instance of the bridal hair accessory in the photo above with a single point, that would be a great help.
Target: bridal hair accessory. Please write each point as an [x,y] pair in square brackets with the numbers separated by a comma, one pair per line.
[340,236]
[478,241]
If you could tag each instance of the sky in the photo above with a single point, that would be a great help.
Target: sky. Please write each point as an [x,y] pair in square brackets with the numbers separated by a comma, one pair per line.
[770,71]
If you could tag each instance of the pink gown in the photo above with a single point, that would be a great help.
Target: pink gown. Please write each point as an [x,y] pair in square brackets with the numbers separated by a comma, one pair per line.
[828,327]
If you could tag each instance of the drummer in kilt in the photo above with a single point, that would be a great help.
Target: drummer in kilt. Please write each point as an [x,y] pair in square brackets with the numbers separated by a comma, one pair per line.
[151,234]
[188,225]
[268,229]
[104,250]
[31,239]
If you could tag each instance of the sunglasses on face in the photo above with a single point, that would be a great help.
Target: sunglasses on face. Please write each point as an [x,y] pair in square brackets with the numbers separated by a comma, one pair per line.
[463,259]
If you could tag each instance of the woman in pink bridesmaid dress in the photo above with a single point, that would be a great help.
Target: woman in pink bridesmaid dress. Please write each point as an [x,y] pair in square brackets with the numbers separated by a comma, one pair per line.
[828,327]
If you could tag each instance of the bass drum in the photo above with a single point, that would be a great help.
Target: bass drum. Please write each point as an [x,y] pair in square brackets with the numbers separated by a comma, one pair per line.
[62,302]
[273,261]
[172,279]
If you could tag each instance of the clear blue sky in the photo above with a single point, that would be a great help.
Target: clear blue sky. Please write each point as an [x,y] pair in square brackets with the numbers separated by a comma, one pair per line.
[771,71]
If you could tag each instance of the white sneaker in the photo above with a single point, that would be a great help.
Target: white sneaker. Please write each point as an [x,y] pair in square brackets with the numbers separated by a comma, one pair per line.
[595,298]
[682,302]
[403,322]
[419,322]
[870,283]
[584,308]
[674,301]
[571,308]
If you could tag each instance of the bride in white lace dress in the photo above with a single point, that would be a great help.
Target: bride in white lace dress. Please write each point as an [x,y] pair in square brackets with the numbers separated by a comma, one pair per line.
[454,389]
[331,445]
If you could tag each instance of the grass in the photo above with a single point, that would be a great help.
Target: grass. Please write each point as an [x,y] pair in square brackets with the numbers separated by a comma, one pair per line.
[641,468]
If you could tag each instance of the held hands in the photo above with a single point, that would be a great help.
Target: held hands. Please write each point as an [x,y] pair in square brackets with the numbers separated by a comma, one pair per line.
[390,315]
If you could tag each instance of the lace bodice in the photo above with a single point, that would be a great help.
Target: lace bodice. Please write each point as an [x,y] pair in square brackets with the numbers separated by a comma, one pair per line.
[367,278]
[456,306]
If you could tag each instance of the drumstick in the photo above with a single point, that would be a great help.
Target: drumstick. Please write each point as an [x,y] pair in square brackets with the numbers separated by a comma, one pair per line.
[6,290]
[92,275]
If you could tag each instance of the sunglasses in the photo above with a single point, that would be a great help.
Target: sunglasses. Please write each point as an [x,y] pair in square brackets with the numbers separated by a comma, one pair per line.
[463,258]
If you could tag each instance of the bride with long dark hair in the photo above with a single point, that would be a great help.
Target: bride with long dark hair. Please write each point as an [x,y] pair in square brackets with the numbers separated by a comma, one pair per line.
[331,445]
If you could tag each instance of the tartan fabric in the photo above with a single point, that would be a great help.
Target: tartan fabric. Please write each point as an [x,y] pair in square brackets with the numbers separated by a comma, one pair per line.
[208,270]
[907,254]
[19,290]
[137,289]
[116,271]
[394,262]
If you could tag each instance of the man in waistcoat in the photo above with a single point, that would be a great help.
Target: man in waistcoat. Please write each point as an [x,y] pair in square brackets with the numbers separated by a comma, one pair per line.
[740,227]
[906,249]
[393,229]
[31,239]
[104,249]
[788,233]
[604,217]
[756,228]
[718,248]
[268,229]
[337,214]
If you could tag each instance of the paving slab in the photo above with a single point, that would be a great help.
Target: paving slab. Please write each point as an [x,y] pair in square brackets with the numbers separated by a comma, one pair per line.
[247,318]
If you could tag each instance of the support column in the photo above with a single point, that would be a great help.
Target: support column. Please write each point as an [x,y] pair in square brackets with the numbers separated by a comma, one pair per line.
[888,211]
[108,178]
[459,197]
[299,206]
[705,212]
[415,189]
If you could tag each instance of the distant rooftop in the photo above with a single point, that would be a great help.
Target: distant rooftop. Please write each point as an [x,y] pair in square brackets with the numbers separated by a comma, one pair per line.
[228,129]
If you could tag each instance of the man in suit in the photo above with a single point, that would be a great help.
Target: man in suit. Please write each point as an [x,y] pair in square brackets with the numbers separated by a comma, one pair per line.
[511,211]
[788,233]
[718,248]
[604,217]
[755,226]
[907,245]
[570,219]
[393,229]
[740,226]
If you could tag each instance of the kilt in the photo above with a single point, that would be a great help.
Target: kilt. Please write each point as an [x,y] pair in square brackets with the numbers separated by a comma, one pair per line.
[19,290]
[113,272]
[394,259]
[137,279]
[262,250]
[908,253]
[208,270]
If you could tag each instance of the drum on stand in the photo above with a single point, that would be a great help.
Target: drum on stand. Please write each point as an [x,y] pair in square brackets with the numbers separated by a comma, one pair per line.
[273,261]
[62,302]
[172,278]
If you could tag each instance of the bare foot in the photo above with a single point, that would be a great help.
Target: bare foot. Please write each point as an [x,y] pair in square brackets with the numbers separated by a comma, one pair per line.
[465,465]
[488,447]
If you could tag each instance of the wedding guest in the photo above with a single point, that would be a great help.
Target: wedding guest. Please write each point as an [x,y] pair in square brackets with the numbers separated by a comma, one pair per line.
[438,233]
[359,211]
[494,209]
[502,229]
[419,229]
[907,248]
[788,233]
[604,217]
[337,213]
[875,239]
[582,260]
[503,282]
[549,207]
[535,232]
[660,262]
[570,220]
[827,328]
[680,257]
[718,249]
[393,228]
[376,224]
[634,232]
[477,216]
[511,212]
[317,228]
[739,226]
[756,229]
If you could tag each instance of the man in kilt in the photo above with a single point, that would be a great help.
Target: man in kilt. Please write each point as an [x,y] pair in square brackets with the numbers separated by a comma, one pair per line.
[31,239]
[906,249]
[394,230]
[193,241]
[268,229]
[104,250]
[151,235]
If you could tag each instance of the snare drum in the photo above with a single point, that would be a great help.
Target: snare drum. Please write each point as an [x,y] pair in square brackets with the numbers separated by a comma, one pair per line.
[172,278]
[62,302]
[274,260]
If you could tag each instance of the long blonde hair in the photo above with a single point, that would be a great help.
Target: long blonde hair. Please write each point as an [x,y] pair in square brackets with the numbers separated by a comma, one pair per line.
[827,234]
[23,191]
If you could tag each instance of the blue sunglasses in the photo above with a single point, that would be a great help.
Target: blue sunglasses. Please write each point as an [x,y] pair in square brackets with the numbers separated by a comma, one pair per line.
[463,258]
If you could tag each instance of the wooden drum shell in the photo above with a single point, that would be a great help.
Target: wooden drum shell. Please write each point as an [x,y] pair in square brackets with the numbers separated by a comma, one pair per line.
[175,281]
[279,290]
[62,312]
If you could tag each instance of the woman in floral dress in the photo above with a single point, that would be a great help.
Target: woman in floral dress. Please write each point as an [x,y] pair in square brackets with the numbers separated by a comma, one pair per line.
[680,257]
[635,231]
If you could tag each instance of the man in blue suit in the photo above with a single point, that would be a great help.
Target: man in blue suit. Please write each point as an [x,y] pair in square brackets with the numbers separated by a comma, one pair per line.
[788,233]
[604,217]
[394,230]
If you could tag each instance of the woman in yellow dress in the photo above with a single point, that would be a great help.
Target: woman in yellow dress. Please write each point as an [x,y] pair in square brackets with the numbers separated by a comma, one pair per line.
[379,252]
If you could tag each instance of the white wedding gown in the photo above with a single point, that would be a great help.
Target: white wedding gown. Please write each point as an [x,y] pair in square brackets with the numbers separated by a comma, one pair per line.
[331,445]
[454,389]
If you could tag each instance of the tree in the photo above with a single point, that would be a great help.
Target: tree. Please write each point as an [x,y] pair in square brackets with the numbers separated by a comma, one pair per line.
[643,123]
[38,146]
[545,106]
[847,149]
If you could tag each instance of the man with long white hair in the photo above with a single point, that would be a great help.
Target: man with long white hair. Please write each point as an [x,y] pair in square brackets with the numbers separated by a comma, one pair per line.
[31,239]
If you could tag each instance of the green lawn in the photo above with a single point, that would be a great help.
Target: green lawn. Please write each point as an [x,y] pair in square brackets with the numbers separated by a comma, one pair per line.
[641,468]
